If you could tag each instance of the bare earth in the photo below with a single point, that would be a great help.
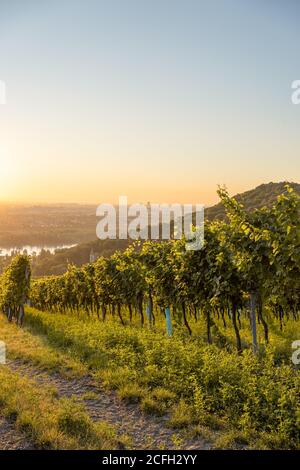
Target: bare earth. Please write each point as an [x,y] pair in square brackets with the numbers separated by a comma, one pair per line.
[145,431]
[10,439]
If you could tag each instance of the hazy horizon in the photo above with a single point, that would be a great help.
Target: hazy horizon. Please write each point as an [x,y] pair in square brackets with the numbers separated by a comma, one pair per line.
[93,203]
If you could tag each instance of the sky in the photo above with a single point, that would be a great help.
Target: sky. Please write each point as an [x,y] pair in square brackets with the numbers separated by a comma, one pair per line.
[157,100]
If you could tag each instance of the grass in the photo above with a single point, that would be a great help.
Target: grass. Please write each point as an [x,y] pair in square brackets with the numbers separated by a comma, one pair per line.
[49,422]
[131,393]
[182,415]
[28,348]
[158,402]
[250,401]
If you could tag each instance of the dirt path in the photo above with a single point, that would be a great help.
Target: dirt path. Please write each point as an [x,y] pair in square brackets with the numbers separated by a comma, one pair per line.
[10,439]
[146,432]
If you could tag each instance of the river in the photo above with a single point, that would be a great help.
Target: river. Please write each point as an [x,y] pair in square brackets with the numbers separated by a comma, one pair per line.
[32,249]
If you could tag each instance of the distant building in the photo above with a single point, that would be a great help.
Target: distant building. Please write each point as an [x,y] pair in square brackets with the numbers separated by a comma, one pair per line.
[93,256]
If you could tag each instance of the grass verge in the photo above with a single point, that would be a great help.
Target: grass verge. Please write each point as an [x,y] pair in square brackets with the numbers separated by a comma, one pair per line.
[49,422]
[257,397]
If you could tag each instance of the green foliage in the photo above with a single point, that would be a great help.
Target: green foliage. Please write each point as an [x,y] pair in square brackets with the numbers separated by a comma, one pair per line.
[50,422]
[14,287]
[131,393]
[256,255]
[159,401]
[182,415]
[249,393]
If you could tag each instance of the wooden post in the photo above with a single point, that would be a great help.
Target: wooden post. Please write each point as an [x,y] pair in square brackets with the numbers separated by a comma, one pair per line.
[21,315]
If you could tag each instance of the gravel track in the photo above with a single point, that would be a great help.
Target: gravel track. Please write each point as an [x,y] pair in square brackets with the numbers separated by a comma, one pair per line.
[145,431]
[11,439]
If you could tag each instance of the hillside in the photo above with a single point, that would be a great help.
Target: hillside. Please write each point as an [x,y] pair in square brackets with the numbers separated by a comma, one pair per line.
[263,195]
[47,263]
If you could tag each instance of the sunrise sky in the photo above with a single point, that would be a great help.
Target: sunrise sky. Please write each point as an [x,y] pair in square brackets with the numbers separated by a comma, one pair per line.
[157,100]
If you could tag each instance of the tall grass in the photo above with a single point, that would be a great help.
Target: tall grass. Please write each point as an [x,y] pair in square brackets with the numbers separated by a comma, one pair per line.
[256,397]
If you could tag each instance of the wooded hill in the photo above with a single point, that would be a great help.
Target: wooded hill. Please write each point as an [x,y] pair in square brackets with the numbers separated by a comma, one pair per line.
[262,195]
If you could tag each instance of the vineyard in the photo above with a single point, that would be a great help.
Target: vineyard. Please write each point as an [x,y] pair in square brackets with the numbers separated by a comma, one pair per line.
[202,336]
[250,265]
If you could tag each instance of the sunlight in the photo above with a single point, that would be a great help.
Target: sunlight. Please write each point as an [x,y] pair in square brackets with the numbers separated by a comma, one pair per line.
[7,171]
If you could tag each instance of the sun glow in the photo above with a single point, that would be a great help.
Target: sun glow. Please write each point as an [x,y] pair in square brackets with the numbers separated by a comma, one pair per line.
[8,175]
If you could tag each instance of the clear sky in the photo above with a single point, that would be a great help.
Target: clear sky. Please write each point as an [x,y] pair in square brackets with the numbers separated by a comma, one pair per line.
[159,100]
